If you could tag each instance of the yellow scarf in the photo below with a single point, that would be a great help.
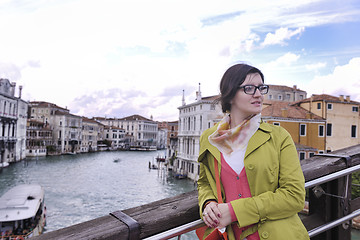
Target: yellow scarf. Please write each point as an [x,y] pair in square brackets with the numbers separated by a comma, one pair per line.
[230,140]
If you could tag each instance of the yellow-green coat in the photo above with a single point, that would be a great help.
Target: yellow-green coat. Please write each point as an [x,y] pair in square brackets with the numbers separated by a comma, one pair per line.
[276,183]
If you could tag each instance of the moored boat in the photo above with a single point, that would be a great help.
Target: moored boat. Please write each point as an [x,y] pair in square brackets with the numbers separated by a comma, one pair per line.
[22,212]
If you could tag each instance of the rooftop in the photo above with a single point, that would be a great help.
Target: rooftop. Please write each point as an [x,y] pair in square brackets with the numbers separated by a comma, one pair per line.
[286,110]
[328,98]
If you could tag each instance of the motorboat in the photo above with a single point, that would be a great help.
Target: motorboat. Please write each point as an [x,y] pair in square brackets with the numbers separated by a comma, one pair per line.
[22,212]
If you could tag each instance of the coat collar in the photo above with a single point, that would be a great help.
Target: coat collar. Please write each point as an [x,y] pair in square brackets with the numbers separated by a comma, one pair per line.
[260,137]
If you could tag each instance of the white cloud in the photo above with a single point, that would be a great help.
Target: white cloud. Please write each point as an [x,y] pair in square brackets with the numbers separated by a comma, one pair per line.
[344,80]
[315,66]
[285,60]
[281,35]
[62,51]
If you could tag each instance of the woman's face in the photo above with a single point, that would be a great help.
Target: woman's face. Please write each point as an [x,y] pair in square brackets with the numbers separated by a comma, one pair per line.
[244,105]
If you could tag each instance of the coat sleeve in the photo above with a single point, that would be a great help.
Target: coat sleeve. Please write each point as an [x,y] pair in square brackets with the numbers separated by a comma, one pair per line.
[287,199]
[205,182]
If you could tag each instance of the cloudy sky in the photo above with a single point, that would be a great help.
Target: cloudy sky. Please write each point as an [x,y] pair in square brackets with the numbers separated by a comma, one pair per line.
[116,58]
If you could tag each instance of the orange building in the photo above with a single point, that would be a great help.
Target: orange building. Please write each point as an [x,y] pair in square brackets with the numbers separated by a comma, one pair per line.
[342,119]
[306,129]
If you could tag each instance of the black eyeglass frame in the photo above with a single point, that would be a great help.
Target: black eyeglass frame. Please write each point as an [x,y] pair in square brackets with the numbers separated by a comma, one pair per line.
[265,88]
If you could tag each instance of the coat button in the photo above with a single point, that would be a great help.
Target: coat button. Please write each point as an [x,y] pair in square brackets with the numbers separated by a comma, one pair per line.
[239,195]
[251,167]
[265,235]
[237,177]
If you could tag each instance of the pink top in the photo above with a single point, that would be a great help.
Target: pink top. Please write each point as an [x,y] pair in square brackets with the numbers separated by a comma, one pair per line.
[235,186]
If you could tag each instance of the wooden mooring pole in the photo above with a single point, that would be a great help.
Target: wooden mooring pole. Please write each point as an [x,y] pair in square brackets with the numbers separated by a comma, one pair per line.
[327,202]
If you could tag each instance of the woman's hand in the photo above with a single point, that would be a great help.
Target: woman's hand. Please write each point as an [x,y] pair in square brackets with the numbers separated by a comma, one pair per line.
[212,215]
[225,218]
[217,215]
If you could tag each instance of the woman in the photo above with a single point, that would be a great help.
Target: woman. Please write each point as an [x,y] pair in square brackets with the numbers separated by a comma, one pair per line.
[262,184]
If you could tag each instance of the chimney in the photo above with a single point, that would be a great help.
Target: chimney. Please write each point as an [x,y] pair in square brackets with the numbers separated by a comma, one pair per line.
[12,89]
[20,90]
[348,98]
[198,94]
[183,98]
[294,87]
[284,112]
[341,98]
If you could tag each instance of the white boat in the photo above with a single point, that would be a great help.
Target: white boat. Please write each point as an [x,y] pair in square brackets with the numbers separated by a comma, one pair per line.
[4,165]
[22,212]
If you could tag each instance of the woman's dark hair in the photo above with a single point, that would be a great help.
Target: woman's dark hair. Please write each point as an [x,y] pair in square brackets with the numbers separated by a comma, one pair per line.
[232,79]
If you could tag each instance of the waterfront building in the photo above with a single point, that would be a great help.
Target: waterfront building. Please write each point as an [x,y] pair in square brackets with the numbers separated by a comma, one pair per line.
[38,138]
[171,141]
[194,118]
[67,132]
[44,111]
[115,137]
[342,119]
[66,127]
[12,123]
[92,132]
[306,129]
[285,93]
[22,112]
[143,130]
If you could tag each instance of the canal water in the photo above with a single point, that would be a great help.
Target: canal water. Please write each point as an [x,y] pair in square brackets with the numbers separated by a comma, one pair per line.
[82,187]
[86,186]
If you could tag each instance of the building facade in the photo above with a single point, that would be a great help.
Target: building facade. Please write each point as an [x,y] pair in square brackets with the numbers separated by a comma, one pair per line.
[194,118]
[67,132]
[306,129]
[115,136]
[91,132]
[38,138]
[342,119]
[12,124]
[143,130]
[66,128]
[285,93]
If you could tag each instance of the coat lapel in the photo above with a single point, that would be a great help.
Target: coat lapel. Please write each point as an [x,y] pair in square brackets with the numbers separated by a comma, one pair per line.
[259,138]
[207,146]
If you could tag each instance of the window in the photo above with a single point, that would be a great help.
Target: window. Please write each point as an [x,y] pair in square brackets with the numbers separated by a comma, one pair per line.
[302,155]
[321,130]
[353,131]
[302,130]
[276,123]
[355,109]
[329,129]
[288,96]
[279,97]
[311,154]
[301,97]
[318,105]
[270,96]
[329,106]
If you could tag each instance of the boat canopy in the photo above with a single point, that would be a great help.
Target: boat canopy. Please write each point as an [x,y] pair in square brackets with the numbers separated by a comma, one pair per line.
[21,202]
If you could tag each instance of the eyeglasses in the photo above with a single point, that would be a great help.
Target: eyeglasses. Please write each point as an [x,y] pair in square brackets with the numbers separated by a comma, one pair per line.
[251,89]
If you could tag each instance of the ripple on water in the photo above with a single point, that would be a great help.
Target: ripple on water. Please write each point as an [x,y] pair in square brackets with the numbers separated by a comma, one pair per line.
[82,187]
